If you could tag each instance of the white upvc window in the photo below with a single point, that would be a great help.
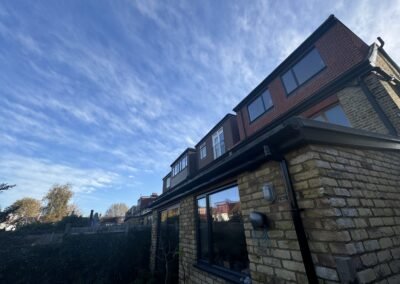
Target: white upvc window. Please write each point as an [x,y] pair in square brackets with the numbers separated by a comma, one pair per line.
[180,166]
[218,143]
[203,151]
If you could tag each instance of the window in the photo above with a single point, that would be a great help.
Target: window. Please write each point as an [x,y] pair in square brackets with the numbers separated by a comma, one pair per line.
[203,151]
[302,71]
[333,115]
[179,166]
[218,143]
[260,105]
[221,239]
[168,182]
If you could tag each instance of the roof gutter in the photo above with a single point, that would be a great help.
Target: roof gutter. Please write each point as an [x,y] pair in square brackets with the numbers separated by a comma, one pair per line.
[391,61]
[290,134]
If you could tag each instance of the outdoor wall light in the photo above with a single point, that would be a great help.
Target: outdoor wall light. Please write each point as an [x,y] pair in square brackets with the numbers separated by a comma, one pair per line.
[268,192]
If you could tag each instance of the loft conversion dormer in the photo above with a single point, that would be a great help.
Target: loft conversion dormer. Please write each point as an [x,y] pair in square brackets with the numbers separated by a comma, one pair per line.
[182,167]
[167,182]
[219,140]
[328,54]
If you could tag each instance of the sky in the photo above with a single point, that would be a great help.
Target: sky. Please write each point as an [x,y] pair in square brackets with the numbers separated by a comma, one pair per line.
[104,95]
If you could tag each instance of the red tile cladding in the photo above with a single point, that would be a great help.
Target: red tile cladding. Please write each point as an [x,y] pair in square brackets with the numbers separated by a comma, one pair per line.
[340,49]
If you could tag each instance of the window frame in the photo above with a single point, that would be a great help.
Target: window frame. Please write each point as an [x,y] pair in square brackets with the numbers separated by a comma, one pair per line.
[266,110]
[203,146]
[208,265]
[180,165]
[290,69]
[218,134]
[322,113]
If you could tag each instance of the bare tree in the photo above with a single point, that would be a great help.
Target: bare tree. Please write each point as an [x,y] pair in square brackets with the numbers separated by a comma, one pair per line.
[4,186]
[116,210]
[167,254]
[73,209]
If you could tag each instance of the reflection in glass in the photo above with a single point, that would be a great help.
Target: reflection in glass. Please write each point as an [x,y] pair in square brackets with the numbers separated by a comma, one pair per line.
[336,115]
[310,65]
[260,105]
[203,228]
[256,108]
[227,233]
[289,81]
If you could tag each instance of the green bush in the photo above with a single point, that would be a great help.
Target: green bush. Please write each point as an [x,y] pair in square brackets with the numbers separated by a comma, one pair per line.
[57,227]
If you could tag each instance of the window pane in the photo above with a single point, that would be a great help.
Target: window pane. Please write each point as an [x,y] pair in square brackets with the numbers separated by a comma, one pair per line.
[256,108]
[229,245]
[267,100]
[289,81]
[337,116]
[307,67]
[222,146]
[218,143]
[319,118]
[222,142]
[203,228]
[203,151]
[221,136]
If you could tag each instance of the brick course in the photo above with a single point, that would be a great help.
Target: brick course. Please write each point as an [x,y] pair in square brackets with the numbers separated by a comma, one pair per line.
[355,211]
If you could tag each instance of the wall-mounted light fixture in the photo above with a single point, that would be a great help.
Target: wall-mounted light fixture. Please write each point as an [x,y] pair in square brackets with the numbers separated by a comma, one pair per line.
[269,192]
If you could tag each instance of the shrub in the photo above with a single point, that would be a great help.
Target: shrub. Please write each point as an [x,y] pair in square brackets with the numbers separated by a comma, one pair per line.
[97,258]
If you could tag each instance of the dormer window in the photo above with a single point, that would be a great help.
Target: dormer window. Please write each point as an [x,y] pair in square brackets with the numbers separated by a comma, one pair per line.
[168,182]
[203,151]
[218,143]
[179,166]
[302,71]
[260,105]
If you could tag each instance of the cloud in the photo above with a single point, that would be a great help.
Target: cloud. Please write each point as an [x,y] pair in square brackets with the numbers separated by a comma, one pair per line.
[126,94]
[34,177]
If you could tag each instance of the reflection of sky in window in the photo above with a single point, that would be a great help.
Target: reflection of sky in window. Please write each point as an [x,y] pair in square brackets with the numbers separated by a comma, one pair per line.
[231,194]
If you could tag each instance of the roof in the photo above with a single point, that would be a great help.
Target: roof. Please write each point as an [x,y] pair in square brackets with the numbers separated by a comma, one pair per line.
[226,117]
[167,175]
[288,135]
[184,152]
[332,20]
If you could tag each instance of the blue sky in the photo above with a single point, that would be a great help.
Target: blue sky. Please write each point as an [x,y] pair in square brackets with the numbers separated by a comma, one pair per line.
[106,94]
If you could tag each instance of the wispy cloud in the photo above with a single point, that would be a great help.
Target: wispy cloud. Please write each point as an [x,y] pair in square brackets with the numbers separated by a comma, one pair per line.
[35,177]
[117,98]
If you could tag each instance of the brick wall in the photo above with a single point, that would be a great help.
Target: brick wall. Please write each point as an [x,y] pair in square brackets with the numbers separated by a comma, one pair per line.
[359,110]
[279,258]
[385,65]
[351,202]
[386,94]
[340,49]
[153,247]
[352,210]
[188,247]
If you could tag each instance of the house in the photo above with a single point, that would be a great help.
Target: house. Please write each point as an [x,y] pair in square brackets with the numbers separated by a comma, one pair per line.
[140,214]
[302,184]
